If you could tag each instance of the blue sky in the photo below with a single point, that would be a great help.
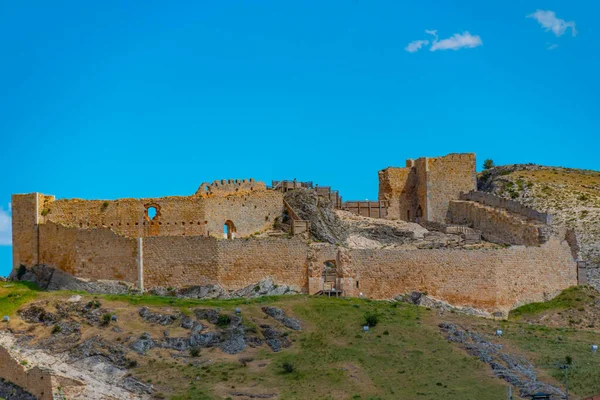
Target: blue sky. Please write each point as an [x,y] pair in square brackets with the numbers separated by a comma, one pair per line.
[150,98]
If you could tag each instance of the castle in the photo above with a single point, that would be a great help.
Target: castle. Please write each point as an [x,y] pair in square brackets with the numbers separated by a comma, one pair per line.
[210,238]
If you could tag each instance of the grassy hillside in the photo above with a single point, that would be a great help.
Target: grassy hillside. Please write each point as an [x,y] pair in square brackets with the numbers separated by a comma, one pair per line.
[571,195]
[404,356]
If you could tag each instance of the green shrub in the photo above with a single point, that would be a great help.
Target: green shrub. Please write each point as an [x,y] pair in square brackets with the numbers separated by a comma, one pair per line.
[223,320]
[194,352]
[371,319]
[56,329]
[288,367]
[106,318]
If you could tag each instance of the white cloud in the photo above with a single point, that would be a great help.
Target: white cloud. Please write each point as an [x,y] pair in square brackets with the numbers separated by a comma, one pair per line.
[433,33]
[457,41]
[5,228]
[416,45]
[551,46]
[548,20]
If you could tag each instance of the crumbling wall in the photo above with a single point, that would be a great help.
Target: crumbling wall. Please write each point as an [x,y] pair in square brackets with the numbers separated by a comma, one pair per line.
[423,189]
[497,225]
[397,186]
[36,381]
[250,213]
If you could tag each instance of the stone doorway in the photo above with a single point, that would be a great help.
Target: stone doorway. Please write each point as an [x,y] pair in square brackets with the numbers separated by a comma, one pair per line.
[330,280]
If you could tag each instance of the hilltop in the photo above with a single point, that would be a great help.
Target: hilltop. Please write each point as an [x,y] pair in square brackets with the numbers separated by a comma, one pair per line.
[410,352]
[572,196]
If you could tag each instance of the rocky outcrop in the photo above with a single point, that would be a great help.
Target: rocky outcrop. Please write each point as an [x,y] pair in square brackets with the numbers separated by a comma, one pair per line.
[325,225]
[514,369]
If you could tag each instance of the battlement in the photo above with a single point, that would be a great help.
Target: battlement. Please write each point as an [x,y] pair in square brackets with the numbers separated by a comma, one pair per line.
[229,186]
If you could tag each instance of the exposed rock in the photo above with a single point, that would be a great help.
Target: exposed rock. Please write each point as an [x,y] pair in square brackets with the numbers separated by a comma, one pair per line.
[37,314]
[514,369]
[156,318]
[325,225]
[133,385]
[143,344]
[208,339]
[49,278]
[279,315]
[275,340]
[421,299]
[207,314]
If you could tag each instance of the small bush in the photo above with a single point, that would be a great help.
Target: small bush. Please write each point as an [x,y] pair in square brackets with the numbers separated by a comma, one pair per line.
[223,320]
[106,318]
[56,329]
[131,364]
[194,352]
[288,367]
[371,319]
[45,212]
[386,332]
[105,205]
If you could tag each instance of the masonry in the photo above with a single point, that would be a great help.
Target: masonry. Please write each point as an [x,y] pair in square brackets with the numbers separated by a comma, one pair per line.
[209,238]
[422,190]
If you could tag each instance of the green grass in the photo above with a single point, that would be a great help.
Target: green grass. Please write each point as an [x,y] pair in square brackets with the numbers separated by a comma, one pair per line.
[14,294]
[547,348]
[569,298]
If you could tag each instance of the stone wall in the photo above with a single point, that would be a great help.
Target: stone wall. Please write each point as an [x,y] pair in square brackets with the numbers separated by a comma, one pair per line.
[96,253]
[491,200]
[423,189]
[491,279]
[36,381]
[495,280]
[447,177]
[497,225]
[25,217]
[234,264]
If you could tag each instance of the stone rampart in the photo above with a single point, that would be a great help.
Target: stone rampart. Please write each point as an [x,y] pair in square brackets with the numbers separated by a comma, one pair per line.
[496,224]
[492,200]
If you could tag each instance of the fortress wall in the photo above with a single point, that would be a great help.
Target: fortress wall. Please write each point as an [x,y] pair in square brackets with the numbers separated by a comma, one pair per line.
[250,213]
[488,279]
[447,177]
[244,262]
[177,261]
[421,188]
[176,215]
[234,264]
[93,254]
[497,225]
[459,277]
[36,381]
[533,274]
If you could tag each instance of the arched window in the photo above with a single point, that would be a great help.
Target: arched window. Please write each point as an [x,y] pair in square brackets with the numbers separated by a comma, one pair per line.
[152,212]
[229,230]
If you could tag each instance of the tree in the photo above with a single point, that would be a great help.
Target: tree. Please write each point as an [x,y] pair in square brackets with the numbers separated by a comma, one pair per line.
[488,164]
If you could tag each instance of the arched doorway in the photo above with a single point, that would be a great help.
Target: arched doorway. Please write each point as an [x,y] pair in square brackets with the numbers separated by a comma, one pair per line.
[419,214]
[229,230]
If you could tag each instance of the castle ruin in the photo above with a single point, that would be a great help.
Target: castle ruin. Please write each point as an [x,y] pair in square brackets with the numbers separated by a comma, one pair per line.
[214,237]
